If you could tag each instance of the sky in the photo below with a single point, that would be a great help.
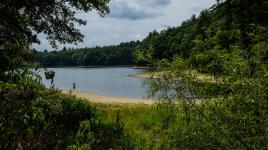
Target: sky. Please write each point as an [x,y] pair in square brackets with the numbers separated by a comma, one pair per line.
[131,20]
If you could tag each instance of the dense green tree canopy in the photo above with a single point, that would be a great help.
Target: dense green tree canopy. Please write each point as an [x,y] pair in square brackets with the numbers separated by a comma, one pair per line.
[108,55]
[226,26]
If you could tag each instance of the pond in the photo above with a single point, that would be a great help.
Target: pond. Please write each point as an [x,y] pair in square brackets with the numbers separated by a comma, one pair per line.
[113,81]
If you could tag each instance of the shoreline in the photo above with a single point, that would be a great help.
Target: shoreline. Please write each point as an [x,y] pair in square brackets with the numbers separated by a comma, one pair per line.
[97,98]
[100,66]
[146,75]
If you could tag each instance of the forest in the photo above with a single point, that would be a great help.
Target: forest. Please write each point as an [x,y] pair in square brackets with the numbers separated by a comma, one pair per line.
[211,86]
[223,29]
[108,55]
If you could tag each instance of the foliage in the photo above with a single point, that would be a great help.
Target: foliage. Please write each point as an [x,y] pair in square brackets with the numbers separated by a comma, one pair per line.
[43,118]
[215,32]
[14,56]
[234,117]
[146,124]
[56,19]
[22,21]
[32,116]
[230,111]
[107,55]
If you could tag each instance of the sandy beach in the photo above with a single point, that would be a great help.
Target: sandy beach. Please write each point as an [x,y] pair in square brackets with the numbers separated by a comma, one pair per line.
[146,75]
[96,98]
[157,75]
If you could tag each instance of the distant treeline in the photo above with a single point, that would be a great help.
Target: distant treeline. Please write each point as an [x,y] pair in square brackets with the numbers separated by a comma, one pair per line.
[121,54]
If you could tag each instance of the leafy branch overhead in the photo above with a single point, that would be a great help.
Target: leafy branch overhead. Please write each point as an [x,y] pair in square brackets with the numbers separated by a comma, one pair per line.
[55,18]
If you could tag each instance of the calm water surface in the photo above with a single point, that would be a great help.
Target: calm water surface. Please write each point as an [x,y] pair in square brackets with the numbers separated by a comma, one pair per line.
[105,81]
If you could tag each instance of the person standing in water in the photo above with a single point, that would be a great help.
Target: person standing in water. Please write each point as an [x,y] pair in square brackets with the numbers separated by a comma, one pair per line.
[73,86]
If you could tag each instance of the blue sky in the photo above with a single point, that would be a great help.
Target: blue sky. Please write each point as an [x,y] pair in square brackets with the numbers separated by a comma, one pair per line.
[131,20]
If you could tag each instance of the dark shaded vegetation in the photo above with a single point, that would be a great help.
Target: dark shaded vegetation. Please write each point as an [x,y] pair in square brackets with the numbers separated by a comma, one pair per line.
[31,115]
[108,55]
[46,119]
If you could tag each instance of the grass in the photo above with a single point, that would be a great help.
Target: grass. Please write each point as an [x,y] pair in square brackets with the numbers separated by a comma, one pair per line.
[135,116]
[147,122]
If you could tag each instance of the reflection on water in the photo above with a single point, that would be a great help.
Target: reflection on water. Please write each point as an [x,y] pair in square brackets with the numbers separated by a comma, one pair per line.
[106,81]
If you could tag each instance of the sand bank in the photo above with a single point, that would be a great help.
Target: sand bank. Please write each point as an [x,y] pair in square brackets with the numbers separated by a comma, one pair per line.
[145,75]
[96,98]
[157,75]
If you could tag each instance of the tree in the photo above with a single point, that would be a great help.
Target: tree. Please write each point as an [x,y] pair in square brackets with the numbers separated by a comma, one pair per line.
[64,49]
[56,19]
[229,42]
[21,22]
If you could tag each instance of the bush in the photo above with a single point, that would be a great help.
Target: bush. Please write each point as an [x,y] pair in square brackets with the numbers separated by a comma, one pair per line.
[47,119]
